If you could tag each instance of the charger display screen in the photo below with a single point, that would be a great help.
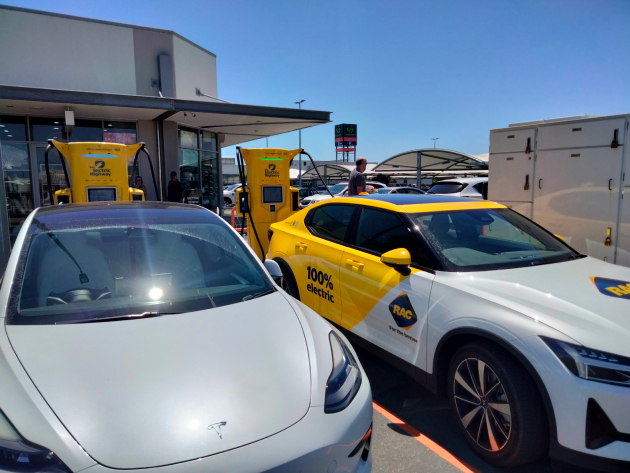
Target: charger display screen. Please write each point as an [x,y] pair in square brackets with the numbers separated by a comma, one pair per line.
[273,194]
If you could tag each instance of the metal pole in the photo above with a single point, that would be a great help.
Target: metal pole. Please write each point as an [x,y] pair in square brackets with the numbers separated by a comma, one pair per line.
[300,145]
[434,140]
[418,168]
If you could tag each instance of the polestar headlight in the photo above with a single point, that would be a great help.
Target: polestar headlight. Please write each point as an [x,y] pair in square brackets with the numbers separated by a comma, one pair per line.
[16,454]
[594,365]
[345,380]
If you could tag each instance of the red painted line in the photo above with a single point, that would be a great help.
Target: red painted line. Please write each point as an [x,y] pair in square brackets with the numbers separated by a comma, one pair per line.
[426,441]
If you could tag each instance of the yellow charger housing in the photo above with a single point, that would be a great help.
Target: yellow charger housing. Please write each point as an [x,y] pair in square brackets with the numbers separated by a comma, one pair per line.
[268,196]
[98,172]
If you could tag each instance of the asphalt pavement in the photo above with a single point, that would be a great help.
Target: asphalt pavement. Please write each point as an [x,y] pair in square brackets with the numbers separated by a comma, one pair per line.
[421,419]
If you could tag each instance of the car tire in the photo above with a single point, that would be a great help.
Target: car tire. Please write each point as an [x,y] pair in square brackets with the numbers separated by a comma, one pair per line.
[227,201]
[289,284]
[502,418]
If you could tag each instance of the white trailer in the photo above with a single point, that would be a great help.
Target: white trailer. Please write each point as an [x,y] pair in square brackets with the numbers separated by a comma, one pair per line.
[570,175]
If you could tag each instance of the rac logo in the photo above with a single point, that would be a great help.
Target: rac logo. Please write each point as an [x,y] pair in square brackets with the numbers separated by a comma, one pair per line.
[402,311]
[99,164]
[612,287]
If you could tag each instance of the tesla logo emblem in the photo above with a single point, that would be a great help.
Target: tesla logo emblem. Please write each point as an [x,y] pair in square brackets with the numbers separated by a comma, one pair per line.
[99,164]
[217,428]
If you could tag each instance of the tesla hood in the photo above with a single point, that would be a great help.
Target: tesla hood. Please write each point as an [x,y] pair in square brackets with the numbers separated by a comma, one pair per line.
[157,391]
[585,299]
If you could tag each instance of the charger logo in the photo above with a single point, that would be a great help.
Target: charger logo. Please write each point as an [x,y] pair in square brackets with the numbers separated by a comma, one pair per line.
[99,164]
[271,171]
[612,287]
[402,311]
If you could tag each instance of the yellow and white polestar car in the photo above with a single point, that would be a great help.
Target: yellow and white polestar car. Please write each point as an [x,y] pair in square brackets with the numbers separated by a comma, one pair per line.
[527,337]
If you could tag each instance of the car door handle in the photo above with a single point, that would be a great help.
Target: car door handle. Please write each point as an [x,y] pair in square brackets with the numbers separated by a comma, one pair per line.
[355,264]
[300,245]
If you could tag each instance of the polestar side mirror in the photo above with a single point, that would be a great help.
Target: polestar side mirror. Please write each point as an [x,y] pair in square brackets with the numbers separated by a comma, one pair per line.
[399,259]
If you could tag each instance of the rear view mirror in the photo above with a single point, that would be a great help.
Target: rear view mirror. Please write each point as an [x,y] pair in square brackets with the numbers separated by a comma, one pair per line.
[399,259]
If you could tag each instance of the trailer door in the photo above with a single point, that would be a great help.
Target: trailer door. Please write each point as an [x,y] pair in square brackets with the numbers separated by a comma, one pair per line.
[576,196]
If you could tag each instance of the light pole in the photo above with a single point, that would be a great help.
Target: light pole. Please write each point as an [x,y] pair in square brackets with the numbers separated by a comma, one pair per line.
[299,104]
[434,140]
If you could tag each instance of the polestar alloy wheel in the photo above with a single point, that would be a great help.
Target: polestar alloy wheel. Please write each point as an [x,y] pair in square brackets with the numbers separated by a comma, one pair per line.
[482,404]
[497,406]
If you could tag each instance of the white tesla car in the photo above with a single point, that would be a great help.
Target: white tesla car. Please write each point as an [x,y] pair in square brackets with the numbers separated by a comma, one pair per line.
[147,336]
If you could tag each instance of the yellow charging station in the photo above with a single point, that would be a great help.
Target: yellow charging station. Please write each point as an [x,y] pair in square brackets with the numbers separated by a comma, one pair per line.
[98,172]
[268,196]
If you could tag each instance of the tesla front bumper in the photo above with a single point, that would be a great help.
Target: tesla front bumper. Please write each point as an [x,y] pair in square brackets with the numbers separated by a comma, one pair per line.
[318,443]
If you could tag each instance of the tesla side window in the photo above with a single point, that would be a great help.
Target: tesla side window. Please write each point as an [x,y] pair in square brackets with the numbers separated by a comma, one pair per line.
[119,266]
[379,232]
[331,221]
[487,239]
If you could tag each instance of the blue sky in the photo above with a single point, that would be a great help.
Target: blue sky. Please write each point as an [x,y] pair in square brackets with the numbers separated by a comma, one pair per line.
[403,71]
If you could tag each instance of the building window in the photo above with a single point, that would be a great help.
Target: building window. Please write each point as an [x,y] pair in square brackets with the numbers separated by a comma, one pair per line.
[17,172]
[199,166]
[87,130]
[44,129]
[120,132]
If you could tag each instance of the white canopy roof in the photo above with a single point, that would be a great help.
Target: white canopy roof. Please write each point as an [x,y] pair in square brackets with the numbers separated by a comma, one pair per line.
[432,161]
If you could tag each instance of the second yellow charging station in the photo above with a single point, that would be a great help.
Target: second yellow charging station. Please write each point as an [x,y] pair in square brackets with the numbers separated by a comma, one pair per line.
[267,196]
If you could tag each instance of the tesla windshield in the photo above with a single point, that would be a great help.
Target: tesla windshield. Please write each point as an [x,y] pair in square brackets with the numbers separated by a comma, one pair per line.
[108,264]
[487,239]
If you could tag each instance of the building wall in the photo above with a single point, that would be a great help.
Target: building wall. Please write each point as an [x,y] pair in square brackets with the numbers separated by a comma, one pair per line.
[147,46]
[88,56]
[194,69]
[171,152]
[51,51]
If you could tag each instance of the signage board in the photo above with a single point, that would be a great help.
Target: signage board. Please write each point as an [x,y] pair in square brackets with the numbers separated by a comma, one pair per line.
[346,135]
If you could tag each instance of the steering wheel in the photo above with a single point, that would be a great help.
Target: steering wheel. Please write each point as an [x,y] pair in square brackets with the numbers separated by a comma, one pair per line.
[78,295]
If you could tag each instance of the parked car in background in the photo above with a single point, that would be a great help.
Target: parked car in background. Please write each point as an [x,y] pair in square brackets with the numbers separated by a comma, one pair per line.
[307,191]
[338,190]
[399,190]
[463,187]
[229,194]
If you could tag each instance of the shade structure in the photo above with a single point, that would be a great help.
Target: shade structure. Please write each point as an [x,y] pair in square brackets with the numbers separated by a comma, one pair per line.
[432,161]
[334,170]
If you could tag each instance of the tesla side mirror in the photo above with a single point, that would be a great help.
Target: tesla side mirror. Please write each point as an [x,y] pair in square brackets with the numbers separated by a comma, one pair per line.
[399,259]
[274,270]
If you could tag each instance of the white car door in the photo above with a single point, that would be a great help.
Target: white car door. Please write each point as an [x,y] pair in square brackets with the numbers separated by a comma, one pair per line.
[380,304]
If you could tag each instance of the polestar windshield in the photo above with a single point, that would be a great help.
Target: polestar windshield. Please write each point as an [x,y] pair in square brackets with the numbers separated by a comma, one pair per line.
[487,239]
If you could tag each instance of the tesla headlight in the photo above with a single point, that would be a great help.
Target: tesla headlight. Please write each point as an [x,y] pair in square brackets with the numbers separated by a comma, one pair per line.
[345,380]
[305,201]
[594,365]
[16,454]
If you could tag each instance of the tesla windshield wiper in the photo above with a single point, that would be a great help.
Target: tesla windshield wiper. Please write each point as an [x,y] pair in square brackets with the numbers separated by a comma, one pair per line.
[143,315]
[259,294]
